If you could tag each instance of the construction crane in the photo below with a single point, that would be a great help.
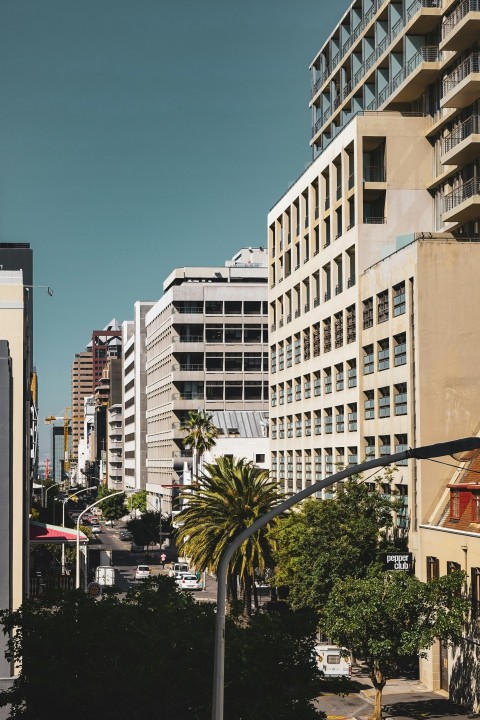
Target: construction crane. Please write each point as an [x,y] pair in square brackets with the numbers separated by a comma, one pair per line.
[66,421]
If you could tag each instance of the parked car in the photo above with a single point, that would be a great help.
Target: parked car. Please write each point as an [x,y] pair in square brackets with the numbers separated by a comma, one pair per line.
[333,661]
[142,572]
[110,523]
[125,535]
[137,548]
[96,528]
[189,582]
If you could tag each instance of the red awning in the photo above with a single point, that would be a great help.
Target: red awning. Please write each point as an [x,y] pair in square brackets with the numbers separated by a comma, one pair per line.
[43,533]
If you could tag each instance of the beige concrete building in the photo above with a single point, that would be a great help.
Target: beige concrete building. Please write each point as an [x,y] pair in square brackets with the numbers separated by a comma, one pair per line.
[373,259]
[207,349]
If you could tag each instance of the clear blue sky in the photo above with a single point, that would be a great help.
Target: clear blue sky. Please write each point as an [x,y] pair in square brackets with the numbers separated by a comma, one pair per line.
[141,135]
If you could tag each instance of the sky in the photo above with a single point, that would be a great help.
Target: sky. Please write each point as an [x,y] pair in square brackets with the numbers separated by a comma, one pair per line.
[137,136]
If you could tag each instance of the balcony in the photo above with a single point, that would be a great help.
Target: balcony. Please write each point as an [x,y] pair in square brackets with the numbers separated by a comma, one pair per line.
[410,82]
[188,396]
[462,86]
[463,204]
[423,15]
[462,27]
[187,339]
[462,145]
[374,174]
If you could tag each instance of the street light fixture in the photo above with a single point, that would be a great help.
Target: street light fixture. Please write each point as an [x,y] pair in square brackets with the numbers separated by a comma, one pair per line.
[421,453]
[97,502]
[64,501]
[46,492]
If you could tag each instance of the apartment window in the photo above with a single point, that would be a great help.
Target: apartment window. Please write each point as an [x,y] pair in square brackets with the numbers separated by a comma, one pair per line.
[328,421]
[298,349]
[317,384]
[384,402]
[400,350]
[282,467]
[318,465]
[328,381]
[308,468]
[214,334]
[281,395]
[433,568]
[352,456]
[281,358]
[252,362]
[281,430]
[290,428]
[352,417]
[382,306]
[273,400]
[339,377]
[233,362]
[253,390]
[401,399]
[383,354]
[454,504]
[306,344]
[252,307]
[327,335]
[352,373]
[400,446]
[399,299]
[369,446]
[339,329]
[368,361]
[476,506]
[385,447]
[308,424]
[233,390]
[351,324]
[233,334]
[213,362]
[453,567]
[369,405]
[289,393]
[316,340]
[317,423]
[298,427]
[214,390]
[298,468]
[307,388]
[475,580]
[298,390]
[328,461]
[259,458]
[289,353]
[233,307]
[274,430]
[340,419]
[213,307]
[368,313]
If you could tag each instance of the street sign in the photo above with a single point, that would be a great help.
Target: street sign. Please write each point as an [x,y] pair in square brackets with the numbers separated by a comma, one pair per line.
[94,589]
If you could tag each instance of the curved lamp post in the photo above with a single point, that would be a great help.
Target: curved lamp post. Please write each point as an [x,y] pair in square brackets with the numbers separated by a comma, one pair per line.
[421,453]
[97,502]
[46,492]
[65,500]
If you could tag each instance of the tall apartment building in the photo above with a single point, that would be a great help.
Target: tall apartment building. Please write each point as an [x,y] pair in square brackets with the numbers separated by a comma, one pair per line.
[207,349]
[135,399]
[18,420]
[374,253]
[87,371]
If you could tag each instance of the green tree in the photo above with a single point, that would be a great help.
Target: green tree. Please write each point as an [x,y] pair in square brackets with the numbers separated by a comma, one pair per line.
[201,436]
[232,494]
[114,508]
[146,529]
[390,616]
[138,501]
[151,655]
[334,538]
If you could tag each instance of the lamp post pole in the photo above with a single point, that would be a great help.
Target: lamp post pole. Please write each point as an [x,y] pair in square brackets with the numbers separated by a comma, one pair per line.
[64,501]
[46,492]
[97,502]
[421,453]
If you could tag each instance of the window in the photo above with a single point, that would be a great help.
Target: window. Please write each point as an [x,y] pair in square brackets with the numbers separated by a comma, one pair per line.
[233,362]
[318,465]
[368,313]
[214,390]
[298,390]
[214,333]
[351,324]
[317,423]
[383,355]
[251,333]
[433,568]
[401,399]
[252,307]
[281,430]
[338,329]
[233,334]
[385,447]
[328,381]
[368,361]
[399,299]
[352,417]
[306,344]
[273,398]
[281,395]
[384,402]
[352,456]
[328,421]
[213,307]
[452,567]
[233,307]
[316,340]
[298,427]
[400,446]
[369,405]
[400,350]
[252,362]
[308,425]
[253,390]
[298,349]
[369,447]
[454,504]
[476,506]
[339,377]
[382,306]
[259,458]
[233,390]
[307,388]
[317,384]
[352,373]
[475,578]
[214,361]
[289,352]
[289,393]
[274,430]
[290,428]
[340,419]
[327,335]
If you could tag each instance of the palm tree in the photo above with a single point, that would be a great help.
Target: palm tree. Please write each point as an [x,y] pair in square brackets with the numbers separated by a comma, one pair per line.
[231,496]
[200,438]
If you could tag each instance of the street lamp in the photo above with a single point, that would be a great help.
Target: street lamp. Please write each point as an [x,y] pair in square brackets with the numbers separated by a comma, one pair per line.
[97,502]
[65,500]
[422,453]
[46,492]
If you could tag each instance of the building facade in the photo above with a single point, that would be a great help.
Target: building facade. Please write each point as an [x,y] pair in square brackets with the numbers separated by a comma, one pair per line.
[373,254]
[207,349]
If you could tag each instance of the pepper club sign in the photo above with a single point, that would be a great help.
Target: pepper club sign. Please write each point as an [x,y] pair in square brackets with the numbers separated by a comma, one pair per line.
[398,561]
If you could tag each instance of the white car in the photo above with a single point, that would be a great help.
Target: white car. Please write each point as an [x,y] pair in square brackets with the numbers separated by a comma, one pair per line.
[142,572]
[96,528]
[189,582]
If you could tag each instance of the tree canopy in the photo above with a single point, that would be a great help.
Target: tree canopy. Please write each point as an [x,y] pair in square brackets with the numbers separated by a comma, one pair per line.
[389,616]
[231,495]
[333,538]
[151,655]
[114,508]
[201,436]
[146,529]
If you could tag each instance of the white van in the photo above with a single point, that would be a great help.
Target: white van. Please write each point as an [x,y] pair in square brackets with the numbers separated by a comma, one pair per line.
[333,661]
